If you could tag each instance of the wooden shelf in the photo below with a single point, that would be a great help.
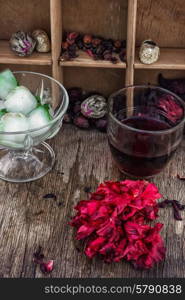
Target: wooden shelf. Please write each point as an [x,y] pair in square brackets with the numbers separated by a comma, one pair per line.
[83,60]
[170,58]
[8,57]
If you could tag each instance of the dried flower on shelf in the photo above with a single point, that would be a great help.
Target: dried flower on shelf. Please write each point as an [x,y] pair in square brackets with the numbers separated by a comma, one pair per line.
[96,47]
[22,43]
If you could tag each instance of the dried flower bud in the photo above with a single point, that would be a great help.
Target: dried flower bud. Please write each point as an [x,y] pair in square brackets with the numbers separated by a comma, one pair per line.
[87,39]
[65,45]
[71,37]
[96,42]
[101,124]
[117,44]
[94,107]
[75,94]
[47,267]
[67,118]
[81,122]
[77,107]
[22,43]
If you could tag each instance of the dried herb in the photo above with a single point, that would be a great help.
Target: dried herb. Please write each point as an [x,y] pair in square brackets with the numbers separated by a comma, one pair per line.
[96,47]
[87,189]
[175,205]
[45,266]
[50,196]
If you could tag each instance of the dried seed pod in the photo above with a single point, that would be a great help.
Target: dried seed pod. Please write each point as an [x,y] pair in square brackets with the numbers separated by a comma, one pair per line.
[94,107]
[149,52]
[22,43]
[42,39]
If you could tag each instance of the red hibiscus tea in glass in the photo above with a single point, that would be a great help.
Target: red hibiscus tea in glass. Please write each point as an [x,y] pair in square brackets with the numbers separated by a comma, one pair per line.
[145,128]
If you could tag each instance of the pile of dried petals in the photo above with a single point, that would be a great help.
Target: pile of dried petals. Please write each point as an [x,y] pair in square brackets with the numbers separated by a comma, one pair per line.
[113,223]
[96,47]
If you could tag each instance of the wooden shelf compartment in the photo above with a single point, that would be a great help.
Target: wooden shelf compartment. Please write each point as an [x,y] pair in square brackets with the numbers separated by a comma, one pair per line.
[170,59]
[8,57]
[83,60]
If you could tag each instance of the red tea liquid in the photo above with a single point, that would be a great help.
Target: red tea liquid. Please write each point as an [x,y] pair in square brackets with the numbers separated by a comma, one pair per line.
[142,154]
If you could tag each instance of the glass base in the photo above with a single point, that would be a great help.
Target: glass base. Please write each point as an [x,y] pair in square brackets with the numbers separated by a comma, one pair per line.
[25,166]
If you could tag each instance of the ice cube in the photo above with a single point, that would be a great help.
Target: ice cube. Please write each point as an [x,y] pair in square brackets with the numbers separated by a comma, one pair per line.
[20,100]
[39,117]
[13,122]
[7,83]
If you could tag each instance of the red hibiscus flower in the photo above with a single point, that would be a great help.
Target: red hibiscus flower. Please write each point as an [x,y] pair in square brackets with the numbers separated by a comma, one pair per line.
[113,223]
[173,111]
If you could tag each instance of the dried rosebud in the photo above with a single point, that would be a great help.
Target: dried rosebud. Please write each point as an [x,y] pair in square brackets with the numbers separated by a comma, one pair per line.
[47,267]
[87,39]
[71,37]
[122,55]
[75,94]
[67,118]
[107,55]
[101,124]
[65,45]
[90,53]
[81,122]
[96,42]
[77,107]
[117,44]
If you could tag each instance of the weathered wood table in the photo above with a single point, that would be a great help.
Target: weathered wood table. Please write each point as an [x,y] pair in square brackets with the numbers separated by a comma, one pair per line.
[27,220]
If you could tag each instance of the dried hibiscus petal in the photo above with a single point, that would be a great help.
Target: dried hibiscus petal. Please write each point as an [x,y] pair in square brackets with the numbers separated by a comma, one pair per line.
[47,267]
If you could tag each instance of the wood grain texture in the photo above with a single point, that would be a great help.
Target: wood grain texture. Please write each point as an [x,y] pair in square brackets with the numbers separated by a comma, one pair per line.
[56,37]
[27,220]
[131,37]
[163,21]
[146,76]
[103,80]
[169,59]
[83,60]
[105,18]
[8,56]
[23,15]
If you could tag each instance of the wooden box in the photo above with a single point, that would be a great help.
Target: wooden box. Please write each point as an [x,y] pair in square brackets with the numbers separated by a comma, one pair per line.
[133,20]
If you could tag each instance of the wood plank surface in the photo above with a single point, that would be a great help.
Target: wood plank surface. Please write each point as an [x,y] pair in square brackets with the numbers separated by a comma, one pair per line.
[27,220]
[104,18]
[83,60]
[8,57]
[170,59]
[23,15]
[162,21]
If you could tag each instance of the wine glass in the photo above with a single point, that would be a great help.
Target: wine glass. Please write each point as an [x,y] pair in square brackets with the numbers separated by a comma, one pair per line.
[24,155]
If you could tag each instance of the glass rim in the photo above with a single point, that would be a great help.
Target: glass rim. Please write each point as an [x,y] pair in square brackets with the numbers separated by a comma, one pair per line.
[66,103]
[164,131]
